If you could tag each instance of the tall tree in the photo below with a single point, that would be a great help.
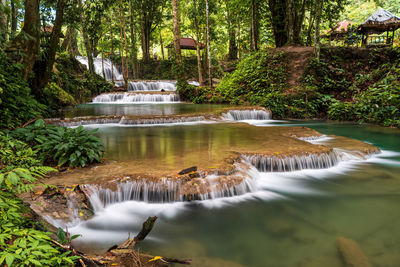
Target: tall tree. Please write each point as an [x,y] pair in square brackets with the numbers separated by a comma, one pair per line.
[54,41]
[278,16]
[196,19]
[208,43]
[88,47]
[233,49]
[254,25]
[3,21]
[28,40]
[134,52]
[14,14]
[150,15]
[177,31]
[319,7]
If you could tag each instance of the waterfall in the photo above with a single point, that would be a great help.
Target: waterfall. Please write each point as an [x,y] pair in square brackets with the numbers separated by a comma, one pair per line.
[152,86]
[164,191]
[160,120]
[121,98]
[254,114]
[124,120]
[293,163]
[109,69]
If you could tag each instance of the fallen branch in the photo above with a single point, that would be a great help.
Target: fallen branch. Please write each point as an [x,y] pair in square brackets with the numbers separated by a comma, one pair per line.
[29,122]
[172,260]
[146,228]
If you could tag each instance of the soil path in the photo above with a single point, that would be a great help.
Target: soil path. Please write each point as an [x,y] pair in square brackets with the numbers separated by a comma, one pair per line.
[298,59]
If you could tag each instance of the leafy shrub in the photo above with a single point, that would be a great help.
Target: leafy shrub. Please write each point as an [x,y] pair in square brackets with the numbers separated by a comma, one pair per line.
[192,93]
[17,105]
[258,74]
[19,166]
[56,97]
[20,243]
[59,145]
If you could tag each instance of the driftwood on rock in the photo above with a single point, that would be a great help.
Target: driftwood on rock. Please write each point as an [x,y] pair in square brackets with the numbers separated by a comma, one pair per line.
[126,248]
[188,170]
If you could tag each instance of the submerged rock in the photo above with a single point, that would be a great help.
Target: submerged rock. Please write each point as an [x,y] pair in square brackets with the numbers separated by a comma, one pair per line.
[351,253]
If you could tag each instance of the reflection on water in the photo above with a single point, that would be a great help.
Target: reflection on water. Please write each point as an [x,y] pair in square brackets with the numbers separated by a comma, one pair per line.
[293,219]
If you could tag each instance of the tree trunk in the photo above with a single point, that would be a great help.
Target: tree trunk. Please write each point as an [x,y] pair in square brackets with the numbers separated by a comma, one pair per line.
[290,21]
[177,31]
[310,25]
[86,41]
[200,73]
[278,16]
[124,43]
[133,43]
[3,22]
[14,21]
[254,26]
[299,23]
[28,40]
[55,38]
[320,4]
[145,40]
[233,49]
[67,39]
[208,44]
[162,47]
[238,42]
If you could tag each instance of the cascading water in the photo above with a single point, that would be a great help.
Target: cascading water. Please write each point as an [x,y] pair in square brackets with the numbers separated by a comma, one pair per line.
[152,86]
[293,163]
[124,98]
[254,114]
[125,120]
[165,191]
[110,70]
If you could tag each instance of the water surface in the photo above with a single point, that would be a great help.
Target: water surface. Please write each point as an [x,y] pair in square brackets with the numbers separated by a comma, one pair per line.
[293,219]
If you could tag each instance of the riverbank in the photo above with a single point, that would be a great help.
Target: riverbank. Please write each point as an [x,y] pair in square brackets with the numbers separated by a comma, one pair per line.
[350,84]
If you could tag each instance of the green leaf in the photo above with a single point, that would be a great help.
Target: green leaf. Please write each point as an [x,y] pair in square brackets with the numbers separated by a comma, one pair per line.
[13,178]
[10,259]
[61,235]
[39,123]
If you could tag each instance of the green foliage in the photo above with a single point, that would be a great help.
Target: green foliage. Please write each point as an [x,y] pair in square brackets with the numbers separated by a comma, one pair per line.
[17,105]
[62,146]
[195,94]
[256,76]
[364,85]
[73,77]
[19,166]
[20,243]
[57,97]
[64,237]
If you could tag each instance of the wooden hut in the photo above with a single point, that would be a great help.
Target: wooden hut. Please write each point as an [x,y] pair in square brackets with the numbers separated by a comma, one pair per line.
[378,23]
[185,44]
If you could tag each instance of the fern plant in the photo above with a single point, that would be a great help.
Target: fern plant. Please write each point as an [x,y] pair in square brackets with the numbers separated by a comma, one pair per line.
[62,146]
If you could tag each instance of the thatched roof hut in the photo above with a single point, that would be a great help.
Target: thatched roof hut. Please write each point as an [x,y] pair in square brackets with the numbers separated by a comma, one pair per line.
[379,22]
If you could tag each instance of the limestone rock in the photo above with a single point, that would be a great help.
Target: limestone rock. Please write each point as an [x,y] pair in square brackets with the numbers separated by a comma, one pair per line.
[352,254]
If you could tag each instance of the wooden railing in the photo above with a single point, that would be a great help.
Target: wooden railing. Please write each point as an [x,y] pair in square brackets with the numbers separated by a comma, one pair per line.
[379,40]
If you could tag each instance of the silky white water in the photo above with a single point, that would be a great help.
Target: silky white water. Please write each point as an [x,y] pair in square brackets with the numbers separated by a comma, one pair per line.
[288,218]
[123,98]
